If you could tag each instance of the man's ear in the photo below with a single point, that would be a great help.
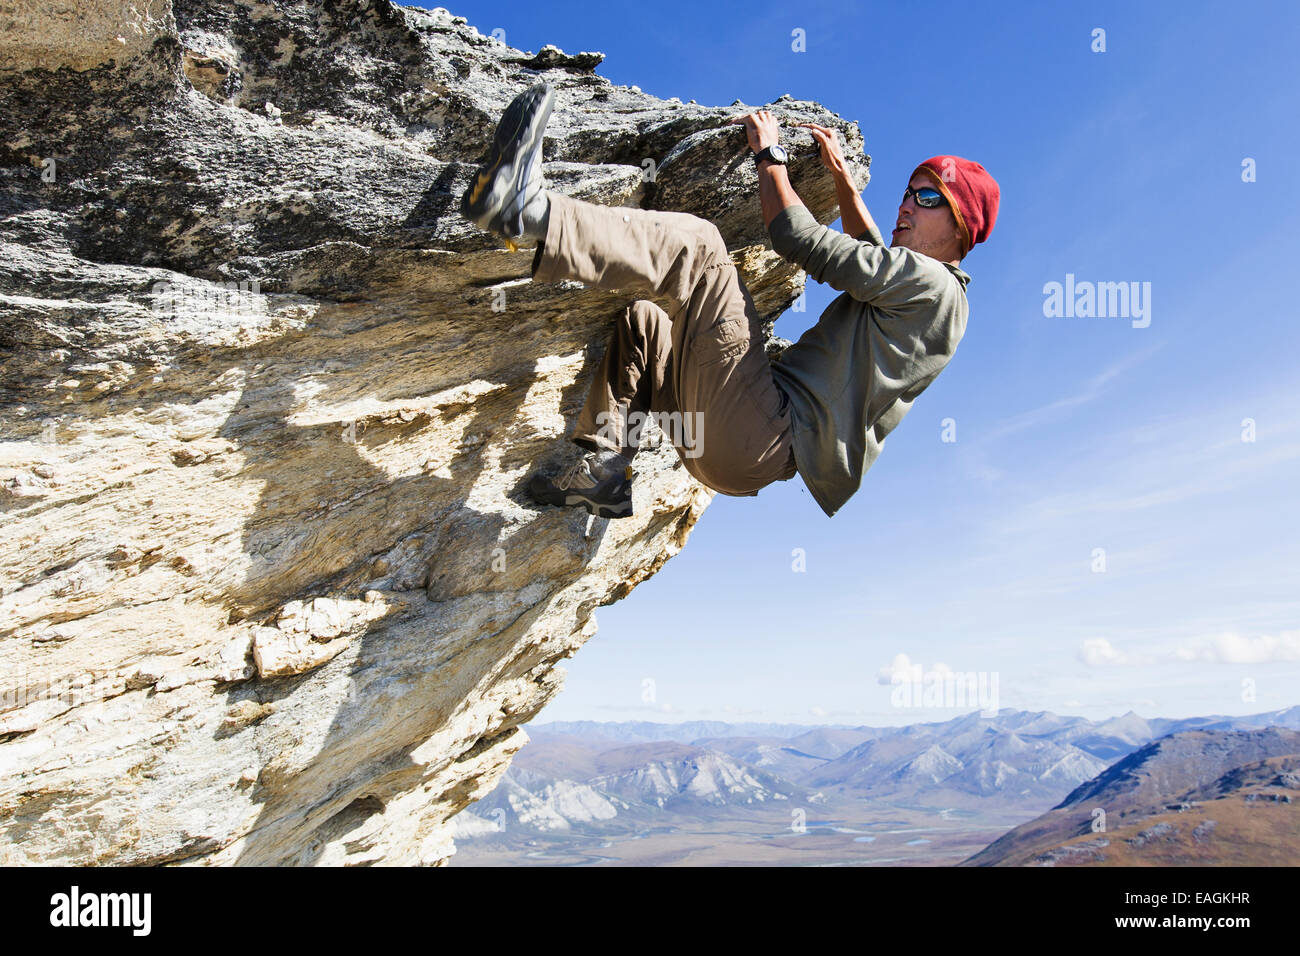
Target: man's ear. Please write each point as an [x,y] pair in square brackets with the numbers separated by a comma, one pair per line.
[959,240]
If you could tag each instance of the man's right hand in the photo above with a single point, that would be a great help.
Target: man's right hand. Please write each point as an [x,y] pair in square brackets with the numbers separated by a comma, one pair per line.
[761,128]
[829,140]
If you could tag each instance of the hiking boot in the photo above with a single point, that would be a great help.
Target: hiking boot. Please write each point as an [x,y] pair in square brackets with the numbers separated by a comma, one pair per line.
[605,497]
[512,176]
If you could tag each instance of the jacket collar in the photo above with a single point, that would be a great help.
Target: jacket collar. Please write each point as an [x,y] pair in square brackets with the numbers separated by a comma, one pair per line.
[958,274]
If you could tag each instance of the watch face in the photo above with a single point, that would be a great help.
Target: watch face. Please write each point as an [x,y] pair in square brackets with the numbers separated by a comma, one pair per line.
[779,154]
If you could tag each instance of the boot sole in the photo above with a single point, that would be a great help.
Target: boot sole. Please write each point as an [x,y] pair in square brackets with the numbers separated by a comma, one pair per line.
[601,509]
[621,510]
[522,142]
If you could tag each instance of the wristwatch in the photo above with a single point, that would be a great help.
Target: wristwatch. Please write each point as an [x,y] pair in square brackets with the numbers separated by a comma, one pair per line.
[776,153]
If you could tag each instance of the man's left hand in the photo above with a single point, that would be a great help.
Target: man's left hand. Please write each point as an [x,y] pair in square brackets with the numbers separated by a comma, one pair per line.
[761,127]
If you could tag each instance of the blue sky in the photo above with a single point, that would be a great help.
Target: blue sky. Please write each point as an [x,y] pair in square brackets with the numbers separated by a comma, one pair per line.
[1072,434]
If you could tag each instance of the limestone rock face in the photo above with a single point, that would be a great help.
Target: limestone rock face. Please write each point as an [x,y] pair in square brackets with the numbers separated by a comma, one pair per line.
[271,591]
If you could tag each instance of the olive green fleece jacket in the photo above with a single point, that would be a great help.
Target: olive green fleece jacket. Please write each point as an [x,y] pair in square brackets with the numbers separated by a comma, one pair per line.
[853,376]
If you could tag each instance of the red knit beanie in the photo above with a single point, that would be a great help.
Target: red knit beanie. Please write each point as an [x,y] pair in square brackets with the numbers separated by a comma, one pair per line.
[971,192]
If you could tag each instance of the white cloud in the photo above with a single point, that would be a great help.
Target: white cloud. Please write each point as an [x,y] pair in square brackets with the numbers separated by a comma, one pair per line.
[901,669]
[1099,652]
[1232,648]
[901,665]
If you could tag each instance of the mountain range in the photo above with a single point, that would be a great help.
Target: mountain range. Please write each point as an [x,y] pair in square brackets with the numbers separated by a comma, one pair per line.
[1195,797]
[592,781]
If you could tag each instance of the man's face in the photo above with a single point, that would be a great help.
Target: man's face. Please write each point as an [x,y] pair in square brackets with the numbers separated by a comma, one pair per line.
[932,231]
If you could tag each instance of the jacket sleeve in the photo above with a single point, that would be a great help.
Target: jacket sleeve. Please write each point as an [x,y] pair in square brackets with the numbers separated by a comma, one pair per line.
[871,235]
[891,279]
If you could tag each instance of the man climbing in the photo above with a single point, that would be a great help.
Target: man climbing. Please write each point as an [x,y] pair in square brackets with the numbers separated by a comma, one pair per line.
[823,408]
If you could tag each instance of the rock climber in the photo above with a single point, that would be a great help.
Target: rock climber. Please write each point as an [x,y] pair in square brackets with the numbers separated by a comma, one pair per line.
[823,407]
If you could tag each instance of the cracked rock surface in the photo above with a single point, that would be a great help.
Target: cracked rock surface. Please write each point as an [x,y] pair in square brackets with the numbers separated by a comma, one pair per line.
[271,591]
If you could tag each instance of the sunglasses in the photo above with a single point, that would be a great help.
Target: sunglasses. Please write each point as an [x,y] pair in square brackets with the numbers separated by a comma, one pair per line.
[925,196]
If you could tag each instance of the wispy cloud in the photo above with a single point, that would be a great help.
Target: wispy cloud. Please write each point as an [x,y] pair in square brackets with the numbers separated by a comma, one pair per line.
[1233,648]
[1093,388]
[979,449]
[1170,462]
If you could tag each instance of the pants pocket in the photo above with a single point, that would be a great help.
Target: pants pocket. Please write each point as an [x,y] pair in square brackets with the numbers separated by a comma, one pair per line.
[725,339]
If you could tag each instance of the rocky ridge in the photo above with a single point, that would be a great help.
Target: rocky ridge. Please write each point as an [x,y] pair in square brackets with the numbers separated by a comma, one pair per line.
[270,589]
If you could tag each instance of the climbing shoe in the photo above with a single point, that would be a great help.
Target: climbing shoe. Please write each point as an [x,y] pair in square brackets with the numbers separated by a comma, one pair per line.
[587,483]
[511,177]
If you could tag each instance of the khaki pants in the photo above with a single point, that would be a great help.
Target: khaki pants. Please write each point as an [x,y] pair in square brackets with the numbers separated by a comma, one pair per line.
[701,370]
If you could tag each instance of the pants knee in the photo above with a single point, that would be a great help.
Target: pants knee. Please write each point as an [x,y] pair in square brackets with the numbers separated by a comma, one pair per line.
[645,313]
[706,236]
[714,242]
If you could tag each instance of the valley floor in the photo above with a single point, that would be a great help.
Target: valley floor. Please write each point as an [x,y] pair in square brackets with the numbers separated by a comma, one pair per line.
[835,834]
